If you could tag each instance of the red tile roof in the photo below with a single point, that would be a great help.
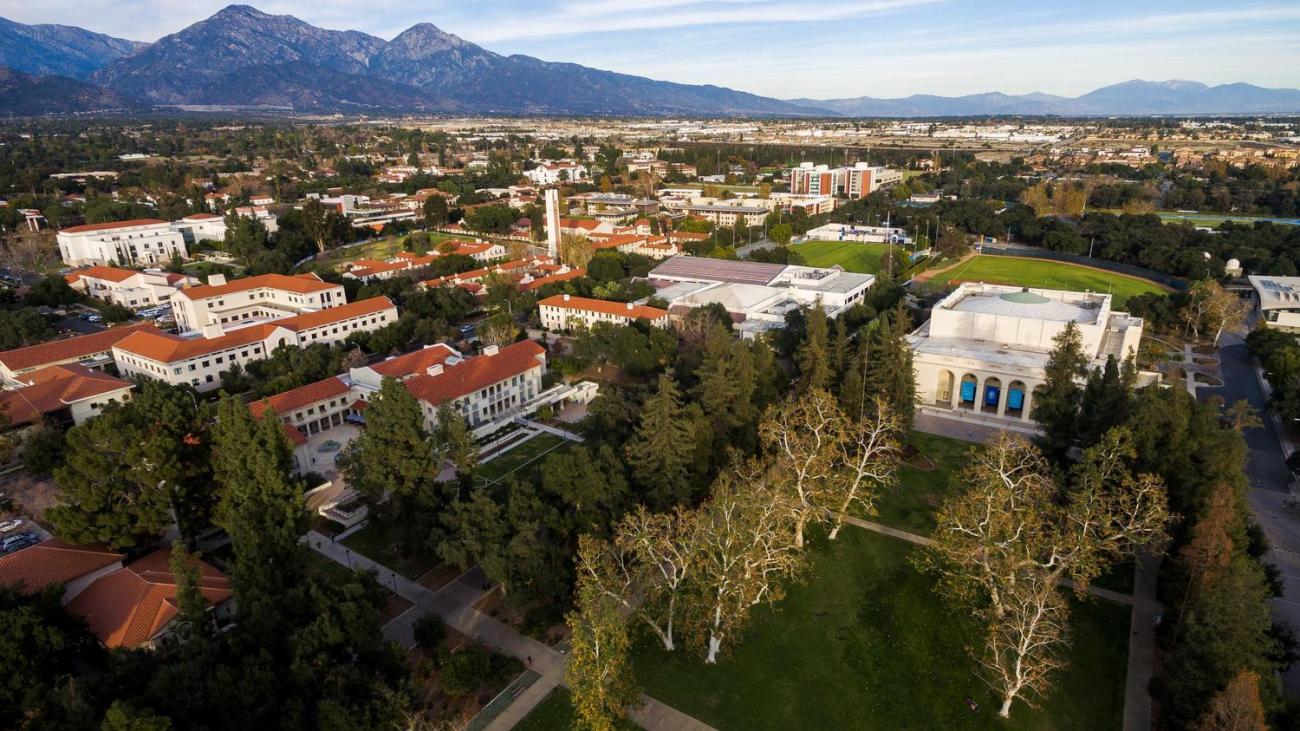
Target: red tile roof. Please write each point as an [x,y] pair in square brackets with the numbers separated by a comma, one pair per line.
[476,373]
[68,349]
[53,561]
[200,217]
[133,605]
[299,397]
[416,362]
[298,284]
[53,388]
[540,282]
[108,274]
[586,304]
[167,348]
[87,228]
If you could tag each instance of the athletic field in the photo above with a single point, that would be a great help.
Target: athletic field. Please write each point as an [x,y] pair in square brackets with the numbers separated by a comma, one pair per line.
[1047,275]
[851,255]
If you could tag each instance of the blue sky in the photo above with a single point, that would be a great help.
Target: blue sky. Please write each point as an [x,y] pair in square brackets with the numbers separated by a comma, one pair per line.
[813,48]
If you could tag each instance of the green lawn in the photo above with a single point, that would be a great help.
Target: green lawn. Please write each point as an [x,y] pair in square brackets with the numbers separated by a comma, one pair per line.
[865,643]
[921,491]
[556,714]
[1047,275]
[379,540]
[531,451]
[852,255]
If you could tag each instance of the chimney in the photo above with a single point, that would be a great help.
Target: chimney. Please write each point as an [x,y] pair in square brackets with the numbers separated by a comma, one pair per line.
[629,306]
[216,280]
[213,330]
[491,350]
[566,298]
[435,369]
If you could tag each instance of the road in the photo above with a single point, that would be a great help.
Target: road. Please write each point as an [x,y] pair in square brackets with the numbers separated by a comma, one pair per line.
[1270,481]
[1266,465]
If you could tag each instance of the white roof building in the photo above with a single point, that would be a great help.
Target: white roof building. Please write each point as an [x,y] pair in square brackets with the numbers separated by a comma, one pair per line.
[1277,300]
[985,348]
[758,295]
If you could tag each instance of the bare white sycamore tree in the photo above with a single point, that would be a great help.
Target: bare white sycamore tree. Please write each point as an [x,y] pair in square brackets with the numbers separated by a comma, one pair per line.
[647,566]
[870,453]
[746,549]
[1003,547]
[804,436]
[1020,645]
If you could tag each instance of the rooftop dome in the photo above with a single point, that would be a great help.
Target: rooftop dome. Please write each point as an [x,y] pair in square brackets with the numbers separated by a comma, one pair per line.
[1024,297]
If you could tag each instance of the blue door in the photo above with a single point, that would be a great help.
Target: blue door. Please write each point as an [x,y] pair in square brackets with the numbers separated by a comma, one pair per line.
[968,391]
[1015,399]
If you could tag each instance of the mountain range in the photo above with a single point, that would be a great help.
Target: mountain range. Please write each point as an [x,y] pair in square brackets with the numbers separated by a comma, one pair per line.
[1134,97]
[242,57]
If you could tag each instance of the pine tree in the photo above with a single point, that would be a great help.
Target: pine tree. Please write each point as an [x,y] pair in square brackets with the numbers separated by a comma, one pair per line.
[727,386]
[888,370]
[660,452]
[812,358]
[262,510]
[1056,404]
[394,455]
[102,499]
[1104,402]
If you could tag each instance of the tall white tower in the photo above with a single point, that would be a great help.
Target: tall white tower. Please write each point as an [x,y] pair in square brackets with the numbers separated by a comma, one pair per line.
[553,223]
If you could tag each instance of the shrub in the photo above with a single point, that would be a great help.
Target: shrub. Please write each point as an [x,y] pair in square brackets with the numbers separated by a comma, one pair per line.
[429,631]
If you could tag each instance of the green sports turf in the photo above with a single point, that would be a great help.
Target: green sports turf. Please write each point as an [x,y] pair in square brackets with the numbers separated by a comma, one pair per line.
[1047,275]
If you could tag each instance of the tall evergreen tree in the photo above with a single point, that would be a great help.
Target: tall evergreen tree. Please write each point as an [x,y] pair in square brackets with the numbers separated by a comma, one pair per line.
[660,453]
[394,454]
[1104,402]
[1056,404]
[262,510]
[726,389]
[813,357]
[888,371]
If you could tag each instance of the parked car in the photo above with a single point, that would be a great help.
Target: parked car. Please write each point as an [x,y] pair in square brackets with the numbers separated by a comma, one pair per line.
[18,542]
[10,525]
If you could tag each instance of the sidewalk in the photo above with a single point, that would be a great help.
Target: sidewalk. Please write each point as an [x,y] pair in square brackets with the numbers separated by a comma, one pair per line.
[454,602]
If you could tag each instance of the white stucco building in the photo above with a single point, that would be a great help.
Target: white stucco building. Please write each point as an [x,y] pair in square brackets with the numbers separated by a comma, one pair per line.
[985,348]
[562,312]
[141,242]
[126,287]
[200,359]
[552,172]
[263,297]
[198,227]
[1277,301]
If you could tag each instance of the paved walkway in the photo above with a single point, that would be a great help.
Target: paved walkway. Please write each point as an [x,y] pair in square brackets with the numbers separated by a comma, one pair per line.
[454,602]
[561,433]
[943,423]
[1142,644]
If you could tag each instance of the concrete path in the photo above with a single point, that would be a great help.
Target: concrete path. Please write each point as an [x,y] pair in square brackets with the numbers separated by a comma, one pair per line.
[561,433]
[943,423]
[454,602]
[1142,644]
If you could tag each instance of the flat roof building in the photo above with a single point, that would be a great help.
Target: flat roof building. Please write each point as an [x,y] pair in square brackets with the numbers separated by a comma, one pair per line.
[857,181]
[142,241]
[985,348]
[1277,300]
[758,295]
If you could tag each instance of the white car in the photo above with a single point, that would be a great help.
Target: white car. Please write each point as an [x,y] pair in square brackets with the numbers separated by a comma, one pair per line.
[9,525]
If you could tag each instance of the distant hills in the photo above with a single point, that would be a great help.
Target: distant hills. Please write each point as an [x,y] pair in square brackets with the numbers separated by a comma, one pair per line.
[245,58]
[1134,97]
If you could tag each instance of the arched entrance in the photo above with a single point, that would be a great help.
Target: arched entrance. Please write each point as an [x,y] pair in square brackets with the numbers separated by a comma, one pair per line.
[969,392]
[992,395]
[943,394]
[1016,399]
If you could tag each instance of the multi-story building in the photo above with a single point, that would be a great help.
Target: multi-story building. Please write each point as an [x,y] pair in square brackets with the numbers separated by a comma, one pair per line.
[857,181]
[139,242]
[200,360]
[552,172]
[262,297]
[1277,300]
[727,216]
[563,312]
[985,348]
[484,389]
[94,351]
[126,287]
[198,227]
[63,394]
